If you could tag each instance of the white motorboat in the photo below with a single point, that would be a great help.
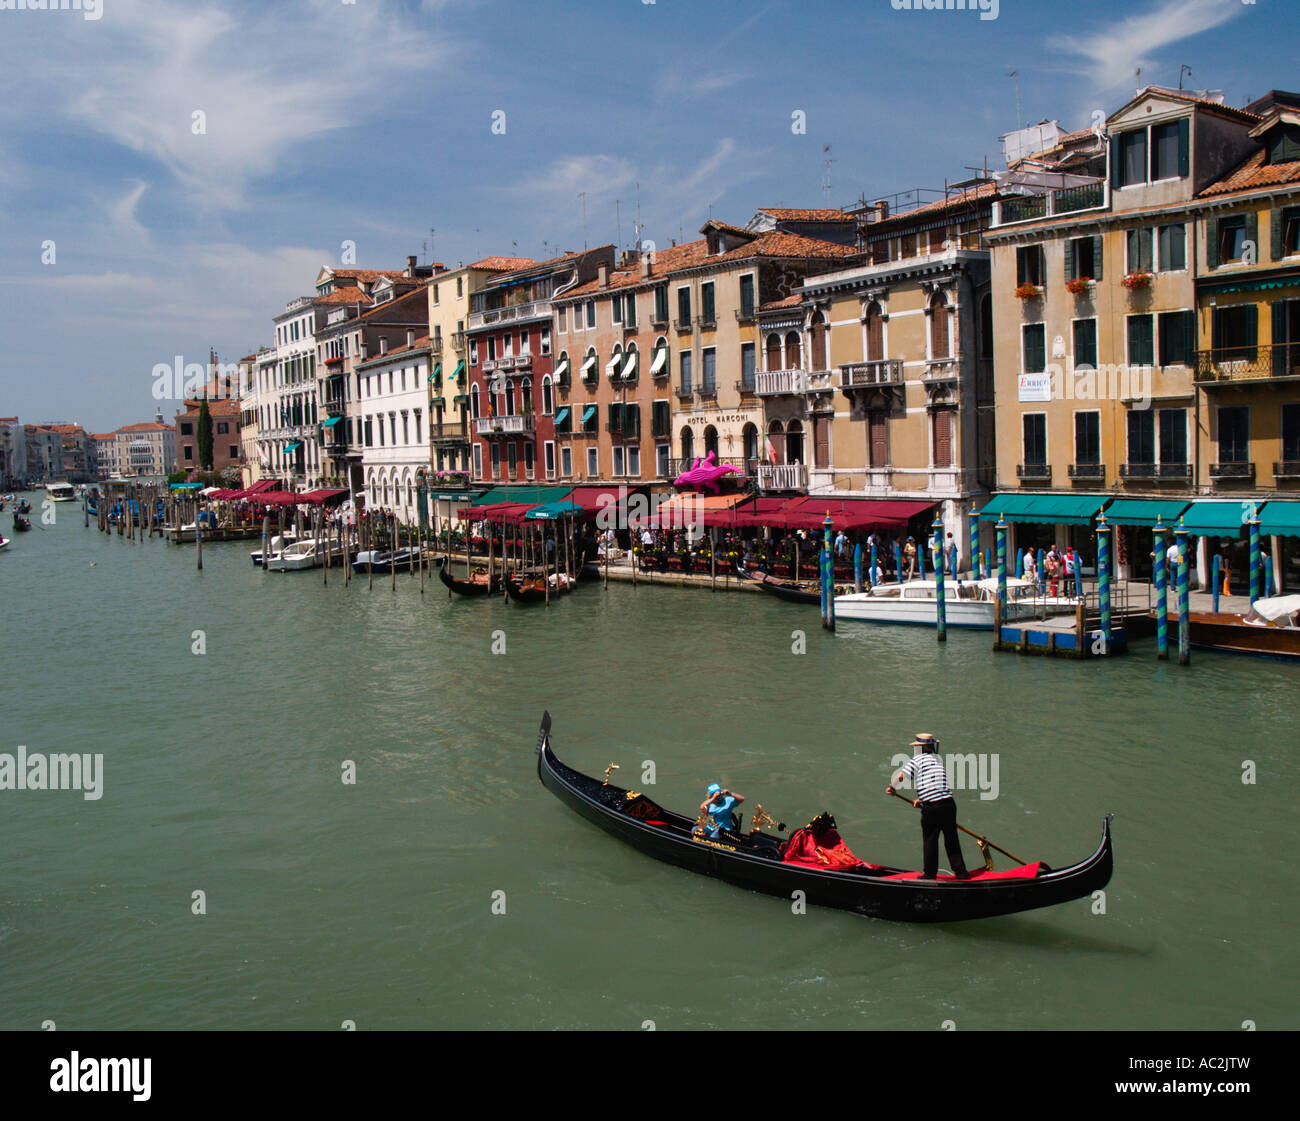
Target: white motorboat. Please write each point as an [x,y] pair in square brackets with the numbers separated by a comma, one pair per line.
[4,542]
[61,492]
[278,544]
[967,603]
[308,553]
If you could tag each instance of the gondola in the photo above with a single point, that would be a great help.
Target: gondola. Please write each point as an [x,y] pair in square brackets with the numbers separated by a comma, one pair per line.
[21,525]
[24,507]
[527,586]
[754,860]
[481,584]
[792,591]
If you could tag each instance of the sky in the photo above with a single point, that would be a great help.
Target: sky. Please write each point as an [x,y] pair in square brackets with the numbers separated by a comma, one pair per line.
[175,171]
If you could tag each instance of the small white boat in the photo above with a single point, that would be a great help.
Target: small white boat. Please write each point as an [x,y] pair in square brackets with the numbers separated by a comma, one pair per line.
[4,542]
[278,544]
[308,553]
[967,603]
[61,492]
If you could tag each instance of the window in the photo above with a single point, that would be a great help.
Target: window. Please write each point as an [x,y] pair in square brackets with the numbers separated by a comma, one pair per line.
[1165,151]
[629,311]
[1231,238]
[663,454]
[748,366]
[878,437]
[1291,433]
[616,309]
[548,399]
[683,306]
[492,348]
[593,463]
[546,340]
[234,451]
[1034,340]
[707,311]
[1173,248]
[1234,434]
[1085,346]
[1083,258]
[187,428]
[189,451]
[528,460]
[661,304]
[1234,333]
[939,330]
[1141,347]
[1087,438]
[566,460]
[460,287]
[478,461]
[1286,232]
[435,293]
[907,246]
[1035,436]
[496,461]
[709,382]
[591,313]
[562,318]
[590,419]
[1177,338]
[1029,265]
[686,372]
[473,353]
[633,461]
[1173,436]
[617,461]
[1132,162]
[1141,436]
[747,295]
[659,419]
[941,436]
[1139,250]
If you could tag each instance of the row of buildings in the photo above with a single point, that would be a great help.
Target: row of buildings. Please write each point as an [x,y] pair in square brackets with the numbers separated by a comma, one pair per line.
[31,454]
[1115,314]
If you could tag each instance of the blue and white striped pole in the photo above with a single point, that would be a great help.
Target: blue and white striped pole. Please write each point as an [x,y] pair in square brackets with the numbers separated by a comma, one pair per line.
[1162,593]
[1103,579]
[875,567]
[988,560]
[921,550]
[828,575]
[857,567]
[1254,557]
[974,544]
[898,562]
[952,560]
[1002,568]
[1184,618]
[941,613]
[1020,564]
[1268,576]
[1214,590]
[1042,572]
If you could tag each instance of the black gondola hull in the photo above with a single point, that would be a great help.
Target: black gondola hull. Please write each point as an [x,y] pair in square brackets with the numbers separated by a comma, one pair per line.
[755,863]
[468,587]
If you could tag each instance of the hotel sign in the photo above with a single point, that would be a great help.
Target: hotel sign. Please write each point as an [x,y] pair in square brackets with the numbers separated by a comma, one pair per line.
[1035,387]
[716,419]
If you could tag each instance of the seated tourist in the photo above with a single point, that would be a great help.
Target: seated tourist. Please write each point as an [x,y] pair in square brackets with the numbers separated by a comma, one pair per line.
[717,808]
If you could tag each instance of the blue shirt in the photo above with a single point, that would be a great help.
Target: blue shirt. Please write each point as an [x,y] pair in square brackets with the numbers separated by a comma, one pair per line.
[720,814]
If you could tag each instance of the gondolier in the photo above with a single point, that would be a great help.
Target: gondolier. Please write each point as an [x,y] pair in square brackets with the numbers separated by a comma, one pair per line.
[938,807]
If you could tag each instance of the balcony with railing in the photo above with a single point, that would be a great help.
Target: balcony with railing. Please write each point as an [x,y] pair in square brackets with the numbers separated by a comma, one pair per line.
[1286,469]
[1249,363]
[458,340]
[1034,472]
[1050,203]
[449,432]
[940,370]
[435,345]
[781,383]
[1093,472]
[1180,472]
[516,313]
[782,476]
[1238,472]
[519,425]
[886,371]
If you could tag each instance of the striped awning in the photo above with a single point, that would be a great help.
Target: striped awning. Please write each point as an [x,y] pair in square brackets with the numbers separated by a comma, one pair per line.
[661,356]
[1056,509]
[562,369]
[561,416]
[437,372]
[460,369]
[1280,517]
[332,421]
[1217,519]
[589,365]
[588,413]
[291,448]
[1146,511]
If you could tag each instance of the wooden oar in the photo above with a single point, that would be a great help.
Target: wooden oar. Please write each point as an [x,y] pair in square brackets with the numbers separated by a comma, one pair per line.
[970,832]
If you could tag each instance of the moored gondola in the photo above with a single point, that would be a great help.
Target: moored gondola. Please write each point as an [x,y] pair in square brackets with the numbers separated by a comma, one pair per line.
[530,586]
[21,525]
[755,860]
[792,591]
[479,582]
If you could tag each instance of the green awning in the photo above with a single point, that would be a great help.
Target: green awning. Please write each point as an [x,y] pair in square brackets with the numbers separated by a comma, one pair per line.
[437,372]
[532,496]
[291,448]
[1228,286]
[187,486]
[1144,511]
[448,495]
[1280,517]
[332,421]
[1057,509]
[552,511]
[1217,519]
[460,369]
[588,413]
[561,416]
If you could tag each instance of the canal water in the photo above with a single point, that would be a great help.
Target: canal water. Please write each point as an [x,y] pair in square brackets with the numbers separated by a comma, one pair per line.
[228,703]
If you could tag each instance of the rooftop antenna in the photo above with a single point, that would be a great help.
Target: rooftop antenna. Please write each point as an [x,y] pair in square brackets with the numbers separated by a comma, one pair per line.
[826,179]
[618,224]
[1180,74]
[432,251]
[639,227]
[1016,74]
[1138,75]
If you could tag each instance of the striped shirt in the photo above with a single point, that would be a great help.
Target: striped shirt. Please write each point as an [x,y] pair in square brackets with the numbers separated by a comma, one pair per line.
[928,775]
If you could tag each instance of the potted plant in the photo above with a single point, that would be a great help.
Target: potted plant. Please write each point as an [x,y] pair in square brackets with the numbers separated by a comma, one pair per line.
[1079,286]
[1137,280]
[1028,291]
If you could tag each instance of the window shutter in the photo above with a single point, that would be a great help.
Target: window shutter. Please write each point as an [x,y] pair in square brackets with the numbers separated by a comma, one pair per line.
[1116,163]
[632,419]
[1252,327]
[1211,243]
[1252,231]
[1277,223]
[1184,147]
[1189,337]
[1020,266]
[613,426]
[1096,258]
[1069,258]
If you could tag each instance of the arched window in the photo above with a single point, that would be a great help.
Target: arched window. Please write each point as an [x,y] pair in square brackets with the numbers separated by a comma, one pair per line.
[562,363]
[749,440]
[660,365]
[614,367]
[591,367]
[939,317]
[794,442]
[793,353]
[473,402]
[817,357]
[773,351]
[710,440]
[875,333]
[508,399]
[548,398]
[688,447]
[526,395]
[635,358]
[776,437]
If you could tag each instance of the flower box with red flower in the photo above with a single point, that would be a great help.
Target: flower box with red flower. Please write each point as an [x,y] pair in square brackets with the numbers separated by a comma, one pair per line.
[1136,280]
[1080,285]
[1028,291]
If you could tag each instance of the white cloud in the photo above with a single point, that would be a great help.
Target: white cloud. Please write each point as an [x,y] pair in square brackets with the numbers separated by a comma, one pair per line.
[1110,56]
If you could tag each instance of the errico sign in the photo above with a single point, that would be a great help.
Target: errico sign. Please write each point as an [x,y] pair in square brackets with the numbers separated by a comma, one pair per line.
[1035,387]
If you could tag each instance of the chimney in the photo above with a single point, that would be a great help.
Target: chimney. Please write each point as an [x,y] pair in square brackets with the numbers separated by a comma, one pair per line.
[410,337]
[410,266]
[646,267]
[602,275]
[365,350]
[383,344]
[882,209]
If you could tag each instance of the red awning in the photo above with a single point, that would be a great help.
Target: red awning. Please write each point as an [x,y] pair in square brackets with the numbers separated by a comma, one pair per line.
[279,498]
[498,513]
[323,497]
[853,513]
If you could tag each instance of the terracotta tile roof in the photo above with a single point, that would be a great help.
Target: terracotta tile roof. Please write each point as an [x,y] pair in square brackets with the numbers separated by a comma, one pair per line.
[789,301]
[102,435]
[146,426]
[1255,174]
[776,244]
[1180,95]
[666,261]
[806,214]
[713,223]
[421,343]
[62,429]
[344,296]
[503,264]
[368,276]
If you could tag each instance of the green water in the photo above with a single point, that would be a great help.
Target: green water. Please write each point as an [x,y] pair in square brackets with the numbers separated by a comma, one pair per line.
[373,902]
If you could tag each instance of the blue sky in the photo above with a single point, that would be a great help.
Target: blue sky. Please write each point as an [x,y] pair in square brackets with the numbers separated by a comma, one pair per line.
[372,121]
